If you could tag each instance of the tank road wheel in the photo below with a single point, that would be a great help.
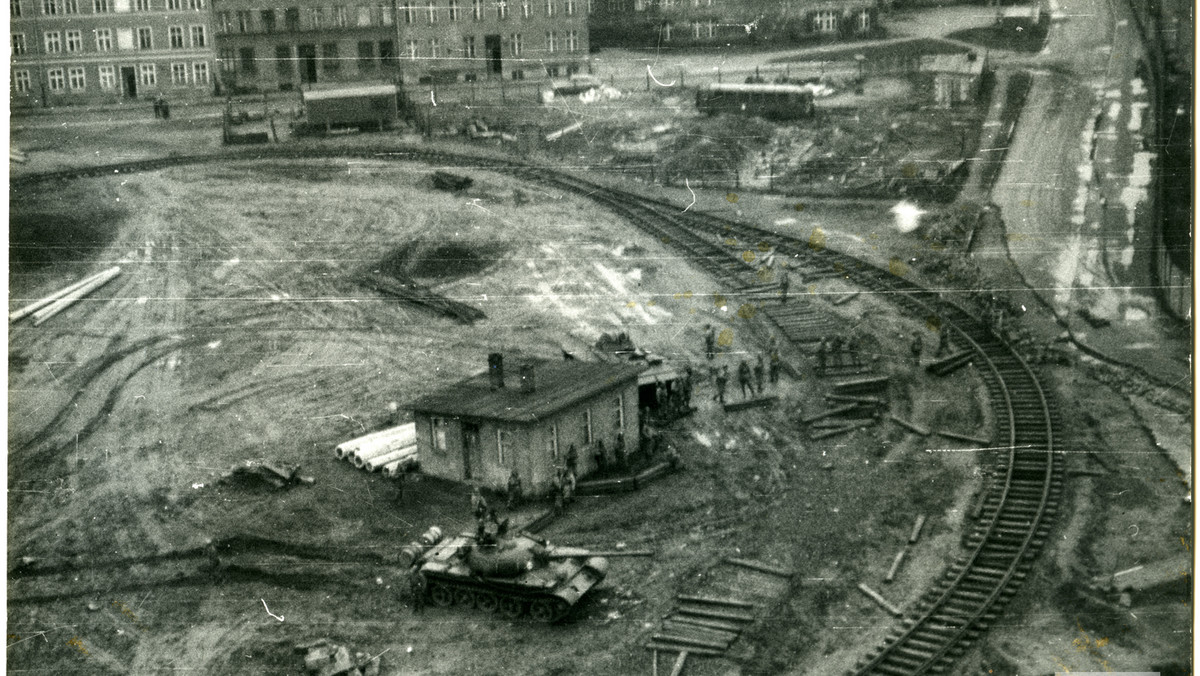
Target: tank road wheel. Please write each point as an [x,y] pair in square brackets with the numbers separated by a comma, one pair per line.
[441,595]
[548,610]
[511,609]
[464,598]
[486,601]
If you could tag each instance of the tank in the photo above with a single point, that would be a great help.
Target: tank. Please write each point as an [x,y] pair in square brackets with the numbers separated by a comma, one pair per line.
[512,576]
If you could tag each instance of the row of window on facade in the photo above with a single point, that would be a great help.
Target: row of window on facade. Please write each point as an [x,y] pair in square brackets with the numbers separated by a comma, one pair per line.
[74,79]
[245,59]
[825,22]
[66,7]
[365,16]
[57,42]
[439,426]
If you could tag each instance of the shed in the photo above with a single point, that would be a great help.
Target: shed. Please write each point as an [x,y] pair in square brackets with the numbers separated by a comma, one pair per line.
[957,78]
[362,106]
[481,429]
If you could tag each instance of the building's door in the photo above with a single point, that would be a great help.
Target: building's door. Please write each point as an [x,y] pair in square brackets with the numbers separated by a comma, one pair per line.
[470,447]
[308,62]
[495,53]
[129,82]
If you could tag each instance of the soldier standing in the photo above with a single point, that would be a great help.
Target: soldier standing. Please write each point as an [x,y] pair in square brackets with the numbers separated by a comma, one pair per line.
[569,487]
[722,381]
[416,588]
[620,449]
[401,475]
[556,490]
[784,282]
[514,490]
[759,373]
[774,364]
[916,348]
[572,459]
[943,341]
[743,375]
[479,505]
[710,341]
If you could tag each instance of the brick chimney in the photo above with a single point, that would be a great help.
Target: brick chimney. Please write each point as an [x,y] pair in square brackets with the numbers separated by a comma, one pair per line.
[496,370]
[527,379]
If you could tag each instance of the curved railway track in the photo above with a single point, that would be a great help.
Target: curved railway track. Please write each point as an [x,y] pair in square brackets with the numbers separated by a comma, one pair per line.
[1026,481]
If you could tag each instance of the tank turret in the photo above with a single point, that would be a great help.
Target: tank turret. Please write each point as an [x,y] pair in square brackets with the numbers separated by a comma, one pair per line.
[512,576]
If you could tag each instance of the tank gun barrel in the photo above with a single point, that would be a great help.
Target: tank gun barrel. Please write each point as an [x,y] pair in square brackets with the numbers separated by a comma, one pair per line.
[606,554]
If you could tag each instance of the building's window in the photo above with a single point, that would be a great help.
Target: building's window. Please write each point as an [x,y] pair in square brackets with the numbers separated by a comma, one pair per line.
[74,41]
[145,38]
[196,5]
[364,15]
[103,40]
[227,59]
[339,16]
[570,7]
[70,6]
[200,73]
[366,55]
[243,21]
[469,46]
[316,17]
[454,14]
[175,36]
[179,73]
[53,42]
[51,7]
[437,433]
[385,15]
[518,75]
[148,74]
[620,405]
[477,9]
[283,62]
[435,48]
[502,443]
[14,10]
[551,71]
[526,8]
[666,32]
[387,52]
[21,82]
[174,5]
[550,42]
[406,11]
[825,22]
[552,442]
[410,49]
[864,21]
[572,41]
[549,7]
[267,18]
[224,22]
[587,426]
[18,44]
[291,19]
[199,39]
[101,6]
[108,77]
[712,29]
[247,61]
[515,42]
[696,30]
[329,57]
[55,77]
[501,9]
[432,11]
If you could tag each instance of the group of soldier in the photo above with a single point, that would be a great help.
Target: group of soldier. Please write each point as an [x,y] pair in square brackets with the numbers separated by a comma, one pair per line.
[751,380]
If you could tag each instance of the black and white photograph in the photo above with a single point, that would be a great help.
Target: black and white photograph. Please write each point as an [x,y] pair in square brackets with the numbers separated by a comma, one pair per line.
[600,337]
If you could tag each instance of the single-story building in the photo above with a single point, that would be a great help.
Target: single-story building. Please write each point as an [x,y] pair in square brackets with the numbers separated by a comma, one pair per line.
[526,416]
[957,78]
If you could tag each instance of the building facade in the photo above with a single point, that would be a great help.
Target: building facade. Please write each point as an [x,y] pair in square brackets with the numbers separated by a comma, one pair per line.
[265,47]
[65,51]
[663,23]
[482,429]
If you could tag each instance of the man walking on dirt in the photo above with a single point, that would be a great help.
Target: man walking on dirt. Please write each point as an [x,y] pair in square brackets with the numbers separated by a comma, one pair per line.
[916,348]
[710,341]
[743,375]
[416,589]
[759,374]
[722,380]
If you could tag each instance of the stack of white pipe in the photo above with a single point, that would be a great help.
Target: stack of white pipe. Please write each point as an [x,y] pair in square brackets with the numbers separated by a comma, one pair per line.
[395,457]
[389,449]
[51,305]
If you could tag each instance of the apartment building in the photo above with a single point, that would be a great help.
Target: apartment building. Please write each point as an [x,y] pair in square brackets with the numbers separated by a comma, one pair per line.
[68,51]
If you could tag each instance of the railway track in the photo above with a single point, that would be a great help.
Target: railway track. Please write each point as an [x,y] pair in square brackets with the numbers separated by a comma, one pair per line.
[1022,497]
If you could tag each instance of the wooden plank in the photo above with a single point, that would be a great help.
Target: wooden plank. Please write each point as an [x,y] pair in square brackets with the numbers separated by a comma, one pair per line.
[910,426]
[948,365]
[751,403]
[835,431]
[963,437]
[855,399]
[831,412]
[916,531]
[677,670]
[733,603]
[690,641]
[844,422]
[716,614]
[693,631]
[891,574]
[673,647]
[846,299]
[707,622]
[878,598]
[759,566]
[846,386]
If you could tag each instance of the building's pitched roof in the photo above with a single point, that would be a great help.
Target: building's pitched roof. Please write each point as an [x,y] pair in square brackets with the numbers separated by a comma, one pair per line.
[350,92]
[558,386]
[960,64]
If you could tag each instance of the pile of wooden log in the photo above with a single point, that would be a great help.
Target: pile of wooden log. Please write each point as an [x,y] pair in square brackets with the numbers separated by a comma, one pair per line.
[853,408]
[702,625]
[421,296]
[950,364]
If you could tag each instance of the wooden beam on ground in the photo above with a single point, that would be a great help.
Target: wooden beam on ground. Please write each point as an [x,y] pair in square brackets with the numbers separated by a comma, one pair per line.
[716,614]
[759,566]
[891,574]
[846,298]
[833,432]
[910,426]
[878,598]
[844,422]
[963,437]
[916,531]
[46,300]
[677,670]
[948,365]
[876,401]
[860,384]
[675,648]
[691,641]
[830,413]
[751,403]
[707,622]
[733,603]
